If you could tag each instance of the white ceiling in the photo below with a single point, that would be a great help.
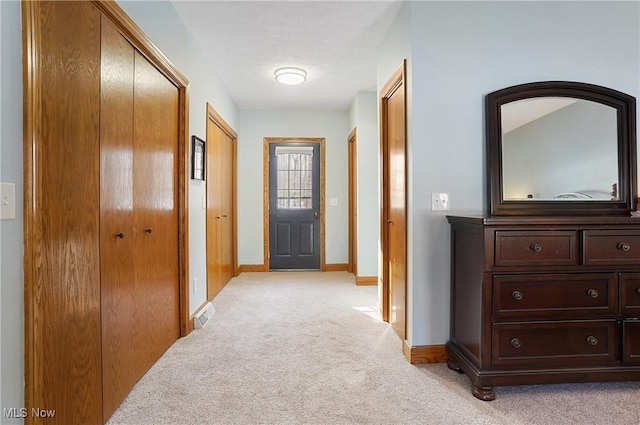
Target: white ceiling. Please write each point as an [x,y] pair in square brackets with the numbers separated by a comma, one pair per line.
[334,41]
[521,112]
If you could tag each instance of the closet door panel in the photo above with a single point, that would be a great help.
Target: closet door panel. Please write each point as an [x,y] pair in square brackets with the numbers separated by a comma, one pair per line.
[116,218]
[220,207]
[64,372]
[155,209]
[226,191]
[215,209]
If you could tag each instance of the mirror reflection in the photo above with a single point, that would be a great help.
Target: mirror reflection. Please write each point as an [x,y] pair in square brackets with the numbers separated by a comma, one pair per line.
[559,148]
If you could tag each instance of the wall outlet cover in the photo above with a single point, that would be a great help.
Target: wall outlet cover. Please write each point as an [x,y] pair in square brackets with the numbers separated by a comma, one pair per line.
[7,201]
[439,201]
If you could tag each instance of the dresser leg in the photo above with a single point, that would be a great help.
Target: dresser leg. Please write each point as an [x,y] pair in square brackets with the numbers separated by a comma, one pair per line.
[483,393]
[454,366]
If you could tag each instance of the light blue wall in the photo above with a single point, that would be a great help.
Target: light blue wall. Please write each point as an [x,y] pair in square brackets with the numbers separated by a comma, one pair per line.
[363,115]
[254,127]
[460,51]
[160,21]
[11,264]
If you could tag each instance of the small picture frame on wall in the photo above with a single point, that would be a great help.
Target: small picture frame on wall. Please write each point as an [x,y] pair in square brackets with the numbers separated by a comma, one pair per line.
[197,158]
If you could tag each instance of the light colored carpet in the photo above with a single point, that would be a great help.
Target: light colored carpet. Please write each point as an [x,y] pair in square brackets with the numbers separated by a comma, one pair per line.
[309,348]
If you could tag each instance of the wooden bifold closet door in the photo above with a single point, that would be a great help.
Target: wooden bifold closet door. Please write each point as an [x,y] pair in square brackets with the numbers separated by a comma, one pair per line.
[139,268]
[104,208]
[220,174]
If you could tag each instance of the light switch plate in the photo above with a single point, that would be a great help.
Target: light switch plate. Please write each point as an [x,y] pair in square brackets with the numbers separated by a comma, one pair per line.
[7,201]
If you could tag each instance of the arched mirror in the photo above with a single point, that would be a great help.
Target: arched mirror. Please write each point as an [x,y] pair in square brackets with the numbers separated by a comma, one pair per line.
[561,148]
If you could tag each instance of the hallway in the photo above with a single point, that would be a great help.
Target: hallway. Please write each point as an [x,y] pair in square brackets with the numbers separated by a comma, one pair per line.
[308,348]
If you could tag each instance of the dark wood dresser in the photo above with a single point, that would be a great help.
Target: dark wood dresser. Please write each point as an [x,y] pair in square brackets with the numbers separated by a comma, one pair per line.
[544,300]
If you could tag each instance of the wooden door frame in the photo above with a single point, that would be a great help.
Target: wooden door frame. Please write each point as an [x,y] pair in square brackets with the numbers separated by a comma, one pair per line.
[395,82]
[32,143]
[353,202]
[217,119]
[267,141]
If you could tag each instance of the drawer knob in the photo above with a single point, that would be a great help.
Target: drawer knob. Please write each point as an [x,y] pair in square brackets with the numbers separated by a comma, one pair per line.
[515,342]
[623,246]
[535,247]
[592,293]
[516,295]
[592,340]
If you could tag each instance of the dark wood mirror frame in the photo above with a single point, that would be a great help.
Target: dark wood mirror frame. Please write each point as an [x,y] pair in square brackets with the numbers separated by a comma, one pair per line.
[625,106]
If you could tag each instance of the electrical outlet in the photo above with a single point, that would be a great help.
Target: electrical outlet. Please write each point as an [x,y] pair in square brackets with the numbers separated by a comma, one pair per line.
[439,201]
[7,201]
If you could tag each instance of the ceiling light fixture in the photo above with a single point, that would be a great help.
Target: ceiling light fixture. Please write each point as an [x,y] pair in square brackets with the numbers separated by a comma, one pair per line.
[290,75]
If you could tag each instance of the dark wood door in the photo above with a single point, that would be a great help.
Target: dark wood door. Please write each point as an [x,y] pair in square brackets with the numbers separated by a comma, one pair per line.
[394,214]
[294,206]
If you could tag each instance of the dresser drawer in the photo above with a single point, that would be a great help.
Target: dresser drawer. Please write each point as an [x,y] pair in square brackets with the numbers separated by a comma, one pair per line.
[631,335]
[630,293]
[554,296]
[545,343]
[536,248]
[611,247]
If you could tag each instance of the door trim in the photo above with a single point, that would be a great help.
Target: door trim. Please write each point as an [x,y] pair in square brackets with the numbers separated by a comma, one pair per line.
[265,182]
[217,119]
[395,82]
[353,202]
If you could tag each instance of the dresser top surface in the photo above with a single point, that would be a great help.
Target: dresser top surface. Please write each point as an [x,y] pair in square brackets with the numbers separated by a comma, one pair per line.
[545,221]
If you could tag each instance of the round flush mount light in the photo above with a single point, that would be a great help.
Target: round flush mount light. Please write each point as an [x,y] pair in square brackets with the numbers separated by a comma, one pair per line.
[290,75]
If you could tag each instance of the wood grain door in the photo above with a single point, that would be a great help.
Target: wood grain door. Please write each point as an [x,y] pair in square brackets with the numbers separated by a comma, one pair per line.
[226,190]
[353,203]
[118,290]
[220,178]
[63,368]
[102,135]
[155,213]
[394,205]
